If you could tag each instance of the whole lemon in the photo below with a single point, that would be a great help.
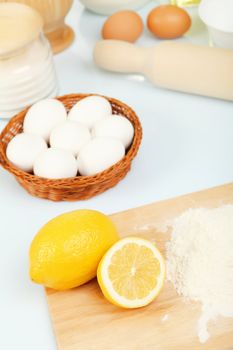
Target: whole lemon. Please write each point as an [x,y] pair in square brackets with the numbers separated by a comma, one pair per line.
[66,251]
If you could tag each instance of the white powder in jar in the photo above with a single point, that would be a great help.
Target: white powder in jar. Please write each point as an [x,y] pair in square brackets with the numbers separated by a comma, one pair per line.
[200,261]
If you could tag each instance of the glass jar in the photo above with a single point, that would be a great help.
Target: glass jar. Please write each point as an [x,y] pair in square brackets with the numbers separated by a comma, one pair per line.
[27,71]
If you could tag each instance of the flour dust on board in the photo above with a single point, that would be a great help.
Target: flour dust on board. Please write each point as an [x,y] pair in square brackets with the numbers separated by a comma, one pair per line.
[200,261]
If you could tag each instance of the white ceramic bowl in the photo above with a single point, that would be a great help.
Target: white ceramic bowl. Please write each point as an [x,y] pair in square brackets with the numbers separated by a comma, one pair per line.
[107,7]
[218,16]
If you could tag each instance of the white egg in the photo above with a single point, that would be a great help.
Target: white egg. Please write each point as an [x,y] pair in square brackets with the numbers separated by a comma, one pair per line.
[23,149]
[70,136]
[118,127]
[43,116]
[89,110]
[55,164]
[99,154]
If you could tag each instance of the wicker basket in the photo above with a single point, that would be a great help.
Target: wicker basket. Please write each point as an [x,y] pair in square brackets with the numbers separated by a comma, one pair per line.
[79,187]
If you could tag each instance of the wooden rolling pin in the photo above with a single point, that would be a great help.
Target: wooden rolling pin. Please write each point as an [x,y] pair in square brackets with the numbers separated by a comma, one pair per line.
[179,66]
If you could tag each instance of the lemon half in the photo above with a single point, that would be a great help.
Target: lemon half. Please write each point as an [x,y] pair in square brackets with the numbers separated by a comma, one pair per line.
[132,273]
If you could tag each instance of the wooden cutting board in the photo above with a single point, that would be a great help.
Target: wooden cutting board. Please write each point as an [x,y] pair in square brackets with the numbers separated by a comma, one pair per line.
[83,320]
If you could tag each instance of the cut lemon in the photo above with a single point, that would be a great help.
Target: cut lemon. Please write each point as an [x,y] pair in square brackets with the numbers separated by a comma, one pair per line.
[131,274]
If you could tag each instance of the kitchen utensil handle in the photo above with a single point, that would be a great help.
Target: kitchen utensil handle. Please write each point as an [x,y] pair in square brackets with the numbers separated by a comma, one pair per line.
[178,66]
[119,56]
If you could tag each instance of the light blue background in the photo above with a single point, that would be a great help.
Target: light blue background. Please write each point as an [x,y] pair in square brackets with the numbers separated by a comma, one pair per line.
[187,146]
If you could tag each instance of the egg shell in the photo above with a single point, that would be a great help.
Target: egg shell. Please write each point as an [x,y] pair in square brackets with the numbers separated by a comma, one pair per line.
[99,154]
[123,25]
[23,149]
[117,127]
[55,164]
[43,116]
[168,21]
[70,136]
[89,110]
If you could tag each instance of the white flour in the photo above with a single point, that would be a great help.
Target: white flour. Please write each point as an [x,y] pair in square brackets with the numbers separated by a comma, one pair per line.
[200,261]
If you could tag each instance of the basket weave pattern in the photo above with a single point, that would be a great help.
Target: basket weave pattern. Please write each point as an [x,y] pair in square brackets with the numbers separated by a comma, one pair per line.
[79,187]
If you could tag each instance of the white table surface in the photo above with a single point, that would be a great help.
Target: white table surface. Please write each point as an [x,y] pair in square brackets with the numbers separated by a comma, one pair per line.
[187,146]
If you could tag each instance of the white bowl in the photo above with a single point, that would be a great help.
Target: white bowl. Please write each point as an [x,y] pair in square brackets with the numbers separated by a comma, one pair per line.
[218,16]
[107,7]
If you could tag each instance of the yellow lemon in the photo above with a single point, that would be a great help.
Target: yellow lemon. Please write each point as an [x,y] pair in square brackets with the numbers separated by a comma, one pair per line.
[132,273]
[66,252]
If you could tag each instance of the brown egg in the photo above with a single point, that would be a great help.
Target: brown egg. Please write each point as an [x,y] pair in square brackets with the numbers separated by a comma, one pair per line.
[168,21]
[123,25]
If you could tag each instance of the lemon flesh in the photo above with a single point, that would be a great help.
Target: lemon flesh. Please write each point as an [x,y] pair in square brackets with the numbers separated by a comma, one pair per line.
[66,252]
[132,273]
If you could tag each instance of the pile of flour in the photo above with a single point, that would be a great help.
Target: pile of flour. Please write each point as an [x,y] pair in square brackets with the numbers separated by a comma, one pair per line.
[200,261]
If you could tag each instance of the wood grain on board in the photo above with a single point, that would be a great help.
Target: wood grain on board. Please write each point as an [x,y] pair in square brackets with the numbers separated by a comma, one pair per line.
[83,320]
